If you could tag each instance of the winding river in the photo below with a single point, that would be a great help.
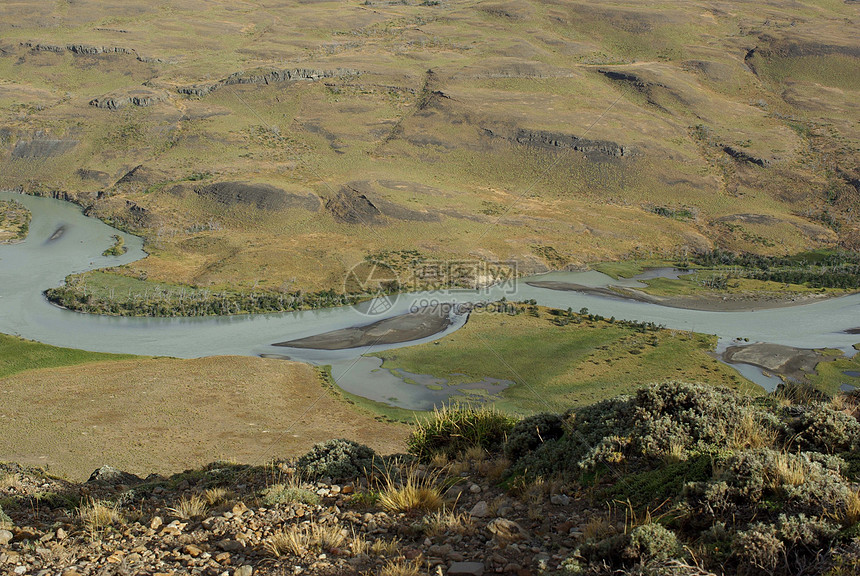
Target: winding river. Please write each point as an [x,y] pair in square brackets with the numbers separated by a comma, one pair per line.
[63,241]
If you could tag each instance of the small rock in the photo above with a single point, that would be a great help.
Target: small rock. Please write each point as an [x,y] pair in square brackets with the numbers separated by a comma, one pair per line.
[5,537]
[239,509]
[480,510]
[110,475]
[466,569]
[475,489]
[156,523]
[230,545]
[71,572]
[61,534]
[506,530]
[223,558]
[20,570]
[245,570]
[560,499]
[193,551]
[348,489]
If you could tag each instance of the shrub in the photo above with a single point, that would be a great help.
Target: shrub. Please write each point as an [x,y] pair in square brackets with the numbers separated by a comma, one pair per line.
[800,483]
[453,430]
[666,421]
[531,432]
[642,544]
[283,494]
[824,429]
[784,547]
[337,459]
[652,542]
[5,520]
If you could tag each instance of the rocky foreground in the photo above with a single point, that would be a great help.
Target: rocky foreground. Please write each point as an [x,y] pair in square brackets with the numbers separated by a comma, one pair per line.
[676,479]
[153,532]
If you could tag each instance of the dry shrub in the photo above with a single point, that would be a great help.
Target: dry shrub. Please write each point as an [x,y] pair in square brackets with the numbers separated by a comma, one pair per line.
[415,493]
[444,522]
[189,507]
[216,496]
[303,538]
[97,516]
[403,567]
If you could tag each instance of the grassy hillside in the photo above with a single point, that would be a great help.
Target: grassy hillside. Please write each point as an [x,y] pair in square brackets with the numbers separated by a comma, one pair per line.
[18,355]
[275,147]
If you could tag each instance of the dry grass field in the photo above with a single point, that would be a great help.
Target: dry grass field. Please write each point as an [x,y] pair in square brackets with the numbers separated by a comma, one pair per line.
[274,145]
[167,415]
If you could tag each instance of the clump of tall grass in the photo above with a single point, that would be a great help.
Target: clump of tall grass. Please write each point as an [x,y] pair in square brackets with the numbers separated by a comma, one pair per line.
[189,507]
[452,430]
[411,491]
[303,538]
[97,516]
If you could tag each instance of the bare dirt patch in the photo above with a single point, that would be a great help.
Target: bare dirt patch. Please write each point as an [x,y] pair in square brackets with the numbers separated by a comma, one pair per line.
[166,415]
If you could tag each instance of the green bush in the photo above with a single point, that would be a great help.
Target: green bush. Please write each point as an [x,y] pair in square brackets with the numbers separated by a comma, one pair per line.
[531,432]
[337,459]
[784,547]
[642,544]
[5,520]
[652,542]
[283,494]
[754,481]
[657,421]
[824,429]
[452,430]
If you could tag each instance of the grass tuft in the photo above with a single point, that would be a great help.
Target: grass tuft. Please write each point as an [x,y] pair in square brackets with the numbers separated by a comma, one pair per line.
[189,507]
[97,516]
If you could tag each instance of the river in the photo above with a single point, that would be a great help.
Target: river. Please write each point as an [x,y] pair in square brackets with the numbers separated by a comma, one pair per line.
[29,268]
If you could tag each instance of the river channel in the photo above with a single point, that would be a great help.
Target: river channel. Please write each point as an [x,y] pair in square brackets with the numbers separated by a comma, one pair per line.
[47,256]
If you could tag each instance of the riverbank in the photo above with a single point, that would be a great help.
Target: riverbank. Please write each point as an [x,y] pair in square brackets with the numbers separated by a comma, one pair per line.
[704,301]
[14,222]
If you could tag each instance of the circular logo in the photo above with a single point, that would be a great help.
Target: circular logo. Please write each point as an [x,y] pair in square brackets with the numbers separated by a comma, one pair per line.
[376,280]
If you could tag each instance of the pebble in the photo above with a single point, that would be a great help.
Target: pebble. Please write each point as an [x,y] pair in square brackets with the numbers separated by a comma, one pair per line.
[560,499]
[466,569]
[5,537]
[244,571]
[480,510]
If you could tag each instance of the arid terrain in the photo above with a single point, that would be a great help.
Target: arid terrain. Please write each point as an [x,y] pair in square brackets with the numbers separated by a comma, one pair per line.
[273,146]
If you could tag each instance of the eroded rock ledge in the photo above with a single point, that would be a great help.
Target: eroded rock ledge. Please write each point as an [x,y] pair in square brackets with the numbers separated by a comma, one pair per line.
[263,77]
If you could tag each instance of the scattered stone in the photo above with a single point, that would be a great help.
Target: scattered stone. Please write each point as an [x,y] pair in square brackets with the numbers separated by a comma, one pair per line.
[466,569]
[244,571]
[559,499]
[480,510]
[5,537]
[111,476]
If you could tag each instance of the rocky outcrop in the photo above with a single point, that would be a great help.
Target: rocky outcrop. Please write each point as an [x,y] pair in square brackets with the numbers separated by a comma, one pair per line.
[352,207]
[544,139]
[742,156]
[88,50]
[141,98]
[261,196]
[41,145]
[77,48]
[269,77]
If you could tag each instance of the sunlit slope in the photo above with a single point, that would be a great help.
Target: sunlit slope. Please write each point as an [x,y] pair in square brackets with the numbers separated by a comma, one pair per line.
[276,145]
